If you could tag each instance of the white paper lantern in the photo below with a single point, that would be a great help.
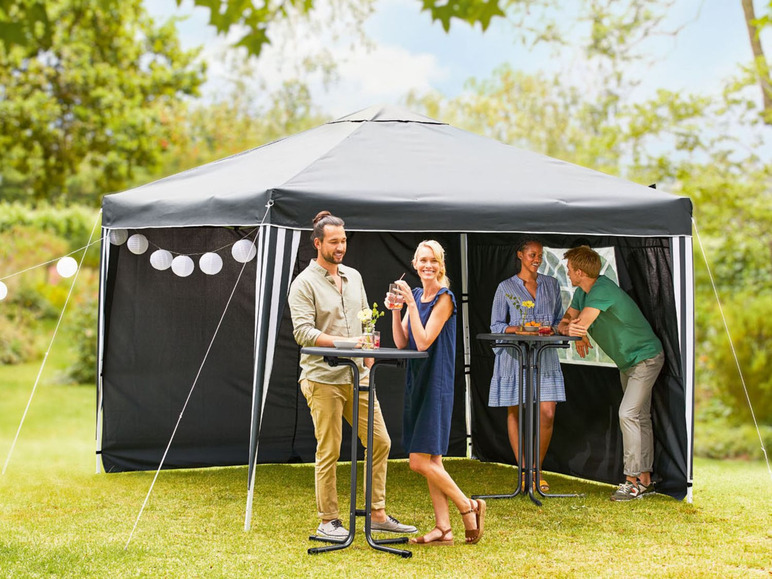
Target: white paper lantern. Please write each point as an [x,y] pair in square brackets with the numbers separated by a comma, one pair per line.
[210,263]
[243,251]
[137,244]
[161,259]
[66,267]
[3,290]
[118,236]
[182,265]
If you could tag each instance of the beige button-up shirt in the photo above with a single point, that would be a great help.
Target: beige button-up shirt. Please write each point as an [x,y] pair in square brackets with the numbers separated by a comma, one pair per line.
[318,307]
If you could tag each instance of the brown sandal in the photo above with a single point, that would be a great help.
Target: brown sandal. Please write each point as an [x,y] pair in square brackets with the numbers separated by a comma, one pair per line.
[474,535]
[439,542]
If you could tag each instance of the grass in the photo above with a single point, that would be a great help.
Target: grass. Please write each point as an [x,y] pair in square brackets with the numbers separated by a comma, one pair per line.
[59,519]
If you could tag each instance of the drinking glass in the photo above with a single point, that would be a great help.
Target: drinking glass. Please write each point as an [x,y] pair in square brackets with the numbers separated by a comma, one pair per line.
[394,299]
[371,340]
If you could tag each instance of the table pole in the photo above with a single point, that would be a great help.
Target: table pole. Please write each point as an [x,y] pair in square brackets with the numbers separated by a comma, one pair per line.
[376,543]
[521,357]
[529,350]
[537,358]
[532,422]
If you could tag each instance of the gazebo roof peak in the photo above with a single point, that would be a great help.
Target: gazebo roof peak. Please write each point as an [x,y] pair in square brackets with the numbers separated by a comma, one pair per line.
[387,113]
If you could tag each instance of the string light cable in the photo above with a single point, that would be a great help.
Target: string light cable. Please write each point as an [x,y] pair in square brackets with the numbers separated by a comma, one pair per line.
[50,261]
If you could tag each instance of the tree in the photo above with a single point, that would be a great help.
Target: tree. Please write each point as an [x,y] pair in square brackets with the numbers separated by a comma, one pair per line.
[87,97]
[760,70]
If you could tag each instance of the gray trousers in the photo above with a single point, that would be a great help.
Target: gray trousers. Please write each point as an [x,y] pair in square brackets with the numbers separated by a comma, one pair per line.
[635,415]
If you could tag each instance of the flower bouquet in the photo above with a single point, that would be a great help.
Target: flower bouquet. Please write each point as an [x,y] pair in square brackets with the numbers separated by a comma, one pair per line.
[523,306]
[368,317]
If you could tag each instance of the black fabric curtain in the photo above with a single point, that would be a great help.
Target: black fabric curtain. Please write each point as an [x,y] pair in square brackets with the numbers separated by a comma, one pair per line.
[287,432]
[586,441]
[158,327]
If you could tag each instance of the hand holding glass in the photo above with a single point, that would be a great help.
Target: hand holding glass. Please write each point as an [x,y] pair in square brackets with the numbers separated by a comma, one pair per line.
[394,300]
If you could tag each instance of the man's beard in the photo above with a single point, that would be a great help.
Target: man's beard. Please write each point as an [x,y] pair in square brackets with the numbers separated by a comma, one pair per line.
[330,258]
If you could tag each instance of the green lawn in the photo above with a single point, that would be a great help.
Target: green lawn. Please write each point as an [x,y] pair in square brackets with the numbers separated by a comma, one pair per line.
[58,518]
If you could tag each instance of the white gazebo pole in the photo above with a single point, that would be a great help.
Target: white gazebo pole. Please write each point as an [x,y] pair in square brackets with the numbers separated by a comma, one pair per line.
[467,356]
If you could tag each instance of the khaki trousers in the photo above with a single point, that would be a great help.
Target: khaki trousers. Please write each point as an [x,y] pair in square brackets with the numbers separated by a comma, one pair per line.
[635,415]
[329,404]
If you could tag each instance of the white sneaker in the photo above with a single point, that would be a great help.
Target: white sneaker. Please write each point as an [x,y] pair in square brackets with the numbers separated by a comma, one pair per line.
[334,529]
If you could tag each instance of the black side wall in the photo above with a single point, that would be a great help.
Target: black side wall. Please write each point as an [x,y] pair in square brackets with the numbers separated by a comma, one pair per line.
[158,328]
[586,442]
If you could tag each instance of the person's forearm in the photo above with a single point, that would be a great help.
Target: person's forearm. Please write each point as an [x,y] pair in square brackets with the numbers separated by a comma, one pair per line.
[417,328]
[397,331]
[326,340]
[563,324]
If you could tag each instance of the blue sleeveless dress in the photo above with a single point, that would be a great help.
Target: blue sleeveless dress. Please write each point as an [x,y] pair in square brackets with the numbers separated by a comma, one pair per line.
[429,385]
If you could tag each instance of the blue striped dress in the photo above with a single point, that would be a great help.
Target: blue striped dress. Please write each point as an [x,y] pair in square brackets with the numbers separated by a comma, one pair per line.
[505,385]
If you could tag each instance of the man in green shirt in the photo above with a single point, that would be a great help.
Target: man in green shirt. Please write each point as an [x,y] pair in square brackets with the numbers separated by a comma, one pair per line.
[324,301]
[605,312]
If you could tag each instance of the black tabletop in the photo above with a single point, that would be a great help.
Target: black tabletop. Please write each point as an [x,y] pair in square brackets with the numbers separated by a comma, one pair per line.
[534,337]
[378,353]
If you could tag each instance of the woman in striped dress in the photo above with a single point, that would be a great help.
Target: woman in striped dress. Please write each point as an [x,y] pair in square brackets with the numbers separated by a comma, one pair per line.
[544,292]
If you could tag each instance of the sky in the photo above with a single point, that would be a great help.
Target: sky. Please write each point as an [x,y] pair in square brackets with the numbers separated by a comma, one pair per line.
[409,52]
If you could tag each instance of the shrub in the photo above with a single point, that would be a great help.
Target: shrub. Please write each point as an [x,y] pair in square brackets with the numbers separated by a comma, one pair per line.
[723,439]
[17,342]
[83,329]
[71,224]
[749,318]
[35,295]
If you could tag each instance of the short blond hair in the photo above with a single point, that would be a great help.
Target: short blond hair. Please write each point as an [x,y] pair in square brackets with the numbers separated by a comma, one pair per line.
[439,255]
[584,258]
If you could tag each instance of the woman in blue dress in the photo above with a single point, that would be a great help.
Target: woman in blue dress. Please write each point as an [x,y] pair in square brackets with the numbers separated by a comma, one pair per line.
[544,292]
[430,325]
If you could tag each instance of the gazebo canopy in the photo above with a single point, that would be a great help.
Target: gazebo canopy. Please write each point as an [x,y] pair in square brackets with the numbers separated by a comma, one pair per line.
[386,169]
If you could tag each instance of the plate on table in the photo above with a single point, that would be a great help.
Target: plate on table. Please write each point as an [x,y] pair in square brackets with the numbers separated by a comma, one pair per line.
[345,344]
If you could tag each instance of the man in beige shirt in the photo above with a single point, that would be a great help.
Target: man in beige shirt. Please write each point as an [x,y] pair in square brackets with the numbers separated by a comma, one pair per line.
[324,300]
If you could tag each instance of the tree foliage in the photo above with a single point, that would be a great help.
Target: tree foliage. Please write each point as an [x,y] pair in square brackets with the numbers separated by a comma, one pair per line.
[204,132]
[87,97]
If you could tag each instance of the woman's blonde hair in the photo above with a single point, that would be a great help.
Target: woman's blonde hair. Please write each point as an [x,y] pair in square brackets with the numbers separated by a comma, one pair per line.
[439,255]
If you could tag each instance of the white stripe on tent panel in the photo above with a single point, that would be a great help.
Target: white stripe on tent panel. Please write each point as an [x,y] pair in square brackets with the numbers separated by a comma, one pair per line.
[262,243]
[101,344]
[689,347]
[259,281]
[281,275]
[465,335]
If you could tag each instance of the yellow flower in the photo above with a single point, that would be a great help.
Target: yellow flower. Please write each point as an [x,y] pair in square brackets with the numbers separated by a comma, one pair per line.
[522,306]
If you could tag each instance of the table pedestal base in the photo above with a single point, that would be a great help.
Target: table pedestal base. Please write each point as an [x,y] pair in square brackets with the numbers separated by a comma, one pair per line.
[382,356]
[529,349]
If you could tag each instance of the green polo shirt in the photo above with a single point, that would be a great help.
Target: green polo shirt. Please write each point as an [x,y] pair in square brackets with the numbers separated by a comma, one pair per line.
[318,307]
[620,328]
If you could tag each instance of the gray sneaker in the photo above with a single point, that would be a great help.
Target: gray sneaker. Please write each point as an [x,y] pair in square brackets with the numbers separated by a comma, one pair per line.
[334,530]
[627,491]
[646,490]
[392,525]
